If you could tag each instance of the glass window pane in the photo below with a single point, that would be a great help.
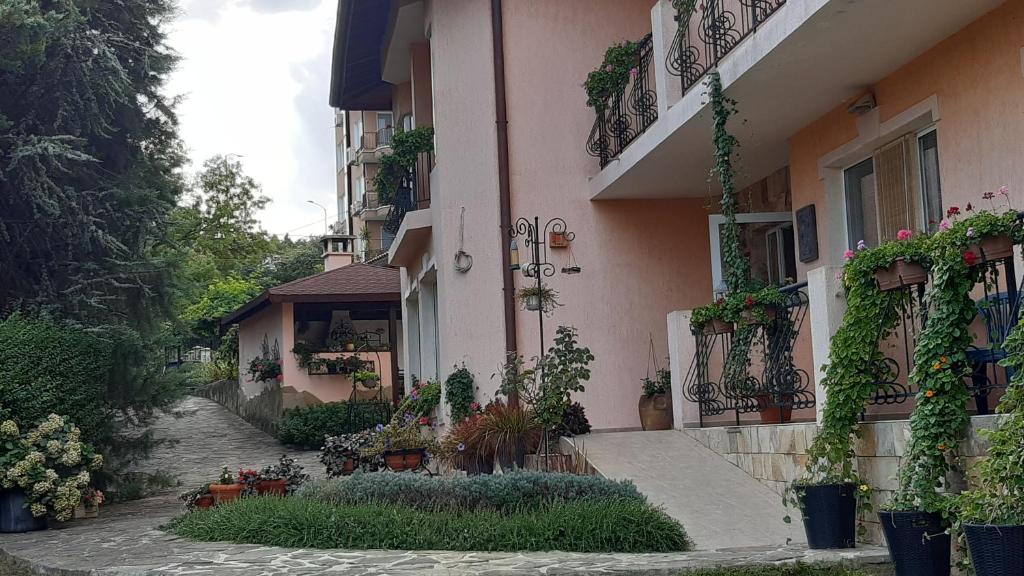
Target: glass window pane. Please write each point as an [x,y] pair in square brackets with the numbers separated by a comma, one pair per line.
[930,184]
[861,211]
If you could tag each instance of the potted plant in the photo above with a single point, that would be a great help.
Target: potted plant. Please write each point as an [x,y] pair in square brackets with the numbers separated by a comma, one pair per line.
[656,402]
[401,446]
[465,447]
[341,454]
[756,306]
[269,482]
[46,471]
[198,498]
[508,433]
[901,266]
[366,378]
[991,515]
[775,407]
[711,319]
[227,488]
[92,499]
[534,299]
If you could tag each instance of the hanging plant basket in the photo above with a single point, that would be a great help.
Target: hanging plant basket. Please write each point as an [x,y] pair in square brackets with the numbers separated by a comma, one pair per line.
[900,274]
[717,326]
[533,303]
[991,248]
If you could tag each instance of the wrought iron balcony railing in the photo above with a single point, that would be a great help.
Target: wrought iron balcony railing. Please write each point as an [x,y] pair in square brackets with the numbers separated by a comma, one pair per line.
[756,376]
[711,30]
[413,192]
[626,114]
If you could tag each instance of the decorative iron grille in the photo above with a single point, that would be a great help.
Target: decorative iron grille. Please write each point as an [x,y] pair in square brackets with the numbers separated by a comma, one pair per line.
[626,114]
[710,31]
[777,385]
[998,310]
[413,193]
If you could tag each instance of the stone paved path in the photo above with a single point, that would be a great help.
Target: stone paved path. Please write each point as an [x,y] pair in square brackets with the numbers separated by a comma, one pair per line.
[716,502]
[126,540]
[204,436]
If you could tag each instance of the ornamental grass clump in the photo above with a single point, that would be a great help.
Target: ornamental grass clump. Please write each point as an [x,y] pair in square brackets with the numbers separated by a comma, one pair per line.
[504,493]
[50,463]
[584,526]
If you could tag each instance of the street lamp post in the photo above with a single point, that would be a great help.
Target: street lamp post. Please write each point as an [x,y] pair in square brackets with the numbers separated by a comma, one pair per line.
[324,208]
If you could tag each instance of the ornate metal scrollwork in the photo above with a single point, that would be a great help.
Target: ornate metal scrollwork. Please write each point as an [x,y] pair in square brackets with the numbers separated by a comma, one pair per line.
[626,114]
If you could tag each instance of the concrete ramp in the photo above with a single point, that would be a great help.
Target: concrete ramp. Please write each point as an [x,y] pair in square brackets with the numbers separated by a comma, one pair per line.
[719,505]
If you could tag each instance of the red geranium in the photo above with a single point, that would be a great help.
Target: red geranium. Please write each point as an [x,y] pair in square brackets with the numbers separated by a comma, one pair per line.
[749,301]
[424,421]
[970,258]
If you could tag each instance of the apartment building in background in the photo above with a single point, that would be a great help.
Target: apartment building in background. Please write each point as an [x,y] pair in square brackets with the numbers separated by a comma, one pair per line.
[845,136]
[361,138]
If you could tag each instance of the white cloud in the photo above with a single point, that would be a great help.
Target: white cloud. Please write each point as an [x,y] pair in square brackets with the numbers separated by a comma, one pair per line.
[256,84]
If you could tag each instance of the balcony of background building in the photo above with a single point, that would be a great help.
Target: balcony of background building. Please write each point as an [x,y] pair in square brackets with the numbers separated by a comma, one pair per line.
[371,146]
[370,208]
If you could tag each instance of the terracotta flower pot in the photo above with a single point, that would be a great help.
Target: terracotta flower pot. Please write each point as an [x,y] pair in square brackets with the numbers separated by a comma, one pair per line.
[717,326]
[205,502]
[656,412]
[899,274]
[348,467]
[276,487]
[402,460]
[223,493]
[771,412]
[991,248]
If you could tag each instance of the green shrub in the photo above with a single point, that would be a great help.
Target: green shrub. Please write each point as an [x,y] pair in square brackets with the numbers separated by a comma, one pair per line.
[501,493]
[307,427]
[779,570]
[47,367]
[605,526]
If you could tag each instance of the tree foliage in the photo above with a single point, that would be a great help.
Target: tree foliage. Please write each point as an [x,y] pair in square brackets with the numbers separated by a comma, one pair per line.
[89,157]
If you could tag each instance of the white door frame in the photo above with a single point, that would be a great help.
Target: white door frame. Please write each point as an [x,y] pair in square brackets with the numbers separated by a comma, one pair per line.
[716,220]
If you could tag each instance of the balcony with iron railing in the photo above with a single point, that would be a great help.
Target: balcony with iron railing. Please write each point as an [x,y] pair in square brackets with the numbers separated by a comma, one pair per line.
[627,113]
[413,192]
[375,140]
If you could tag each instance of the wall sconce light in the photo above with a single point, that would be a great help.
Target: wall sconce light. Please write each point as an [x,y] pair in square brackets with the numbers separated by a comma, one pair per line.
[513,256]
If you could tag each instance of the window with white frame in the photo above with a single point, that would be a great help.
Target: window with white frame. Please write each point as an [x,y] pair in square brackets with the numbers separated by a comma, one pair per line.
[896,188]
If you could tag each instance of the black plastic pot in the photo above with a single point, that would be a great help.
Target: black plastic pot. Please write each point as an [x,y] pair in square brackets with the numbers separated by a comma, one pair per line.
[479,465]
[996,550]
[918,542]
[15,516]
[509,457]
[830,515]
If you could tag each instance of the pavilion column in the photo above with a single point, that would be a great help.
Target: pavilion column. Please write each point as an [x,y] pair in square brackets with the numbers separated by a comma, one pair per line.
[393,328]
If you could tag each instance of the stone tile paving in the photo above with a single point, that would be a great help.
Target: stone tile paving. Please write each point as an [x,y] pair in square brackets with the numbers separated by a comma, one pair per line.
[203,436]
[126,539]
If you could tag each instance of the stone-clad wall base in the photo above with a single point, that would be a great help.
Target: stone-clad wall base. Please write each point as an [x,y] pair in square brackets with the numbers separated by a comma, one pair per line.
[262,411]
[776,454]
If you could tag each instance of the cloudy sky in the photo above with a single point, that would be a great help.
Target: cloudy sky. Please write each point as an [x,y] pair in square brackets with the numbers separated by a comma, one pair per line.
[254,75]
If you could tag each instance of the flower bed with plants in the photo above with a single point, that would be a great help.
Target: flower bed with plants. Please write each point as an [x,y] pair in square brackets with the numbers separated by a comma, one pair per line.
[513,512]
[281,479]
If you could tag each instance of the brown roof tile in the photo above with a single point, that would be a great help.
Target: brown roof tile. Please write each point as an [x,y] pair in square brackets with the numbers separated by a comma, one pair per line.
[354,279]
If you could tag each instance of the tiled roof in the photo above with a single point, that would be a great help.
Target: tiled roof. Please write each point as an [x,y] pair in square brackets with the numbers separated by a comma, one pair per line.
[353,280]
[349,284]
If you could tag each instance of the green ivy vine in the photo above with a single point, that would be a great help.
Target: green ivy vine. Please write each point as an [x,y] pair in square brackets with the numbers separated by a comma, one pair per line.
[940,416]
[405,150]
[734,262]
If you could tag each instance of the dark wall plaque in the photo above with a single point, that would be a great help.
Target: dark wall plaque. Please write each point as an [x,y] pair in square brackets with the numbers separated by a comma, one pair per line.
[807,233]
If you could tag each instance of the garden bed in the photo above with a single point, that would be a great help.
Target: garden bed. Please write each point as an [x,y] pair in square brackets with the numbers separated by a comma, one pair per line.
[618,525]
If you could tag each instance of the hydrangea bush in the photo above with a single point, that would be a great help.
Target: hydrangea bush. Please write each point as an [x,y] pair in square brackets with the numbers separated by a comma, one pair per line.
[50,463]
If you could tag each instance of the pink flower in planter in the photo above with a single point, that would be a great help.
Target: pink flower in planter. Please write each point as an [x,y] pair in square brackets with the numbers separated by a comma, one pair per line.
[944,225]
[609,68]
[904,234]
[474,406]
[280,377]
[633,72]
[849,254]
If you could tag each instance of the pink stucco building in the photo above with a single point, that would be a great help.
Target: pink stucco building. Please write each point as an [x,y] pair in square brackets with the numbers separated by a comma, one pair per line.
[311,325]
[861,116]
